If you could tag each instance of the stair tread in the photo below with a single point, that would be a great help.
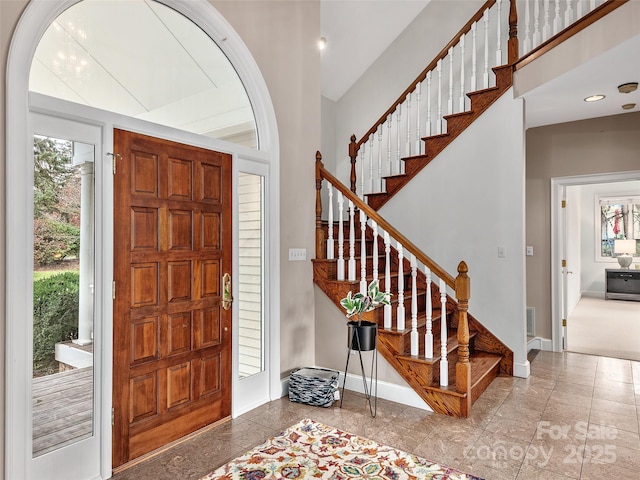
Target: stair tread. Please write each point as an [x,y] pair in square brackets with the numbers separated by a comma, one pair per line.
[481,364]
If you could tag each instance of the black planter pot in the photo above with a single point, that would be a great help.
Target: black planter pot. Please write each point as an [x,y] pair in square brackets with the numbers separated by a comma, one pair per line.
[362,335]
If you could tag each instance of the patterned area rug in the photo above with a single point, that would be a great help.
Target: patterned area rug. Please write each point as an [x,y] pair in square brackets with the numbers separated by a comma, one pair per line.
[313,450]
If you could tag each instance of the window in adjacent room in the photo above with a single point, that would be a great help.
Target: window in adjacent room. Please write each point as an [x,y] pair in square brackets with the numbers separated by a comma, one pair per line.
[619,219]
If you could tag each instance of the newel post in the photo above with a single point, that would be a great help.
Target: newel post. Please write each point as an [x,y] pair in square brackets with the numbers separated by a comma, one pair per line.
[353,154]
[512,47]
[463,367]
[320,252]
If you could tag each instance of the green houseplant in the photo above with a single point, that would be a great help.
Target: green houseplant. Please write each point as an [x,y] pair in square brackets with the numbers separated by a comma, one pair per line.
[362,334]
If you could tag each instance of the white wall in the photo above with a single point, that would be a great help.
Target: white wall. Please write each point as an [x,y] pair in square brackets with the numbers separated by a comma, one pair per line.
[592,275]
[465,204]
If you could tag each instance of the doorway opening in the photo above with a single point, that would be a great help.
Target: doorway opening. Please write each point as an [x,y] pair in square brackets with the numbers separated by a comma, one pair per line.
[577,269]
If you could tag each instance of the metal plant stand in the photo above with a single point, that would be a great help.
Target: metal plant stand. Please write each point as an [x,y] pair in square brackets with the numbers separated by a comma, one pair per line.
[355,344]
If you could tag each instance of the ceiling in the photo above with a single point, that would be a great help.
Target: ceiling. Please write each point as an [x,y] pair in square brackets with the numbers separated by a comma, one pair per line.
[562,99]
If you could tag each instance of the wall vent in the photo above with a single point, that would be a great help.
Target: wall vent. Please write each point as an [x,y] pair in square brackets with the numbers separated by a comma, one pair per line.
[531,322]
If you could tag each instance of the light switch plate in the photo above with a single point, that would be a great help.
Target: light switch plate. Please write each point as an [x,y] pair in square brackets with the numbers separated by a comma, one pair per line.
[297,254]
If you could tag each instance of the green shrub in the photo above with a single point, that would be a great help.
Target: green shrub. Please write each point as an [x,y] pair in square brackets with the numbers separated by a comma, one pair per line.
[54,241]
[55,317]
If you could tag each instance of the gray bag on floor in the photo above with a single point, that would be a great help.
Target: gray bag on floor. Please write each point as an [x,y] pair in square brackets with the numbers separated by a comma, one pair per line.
[313,386]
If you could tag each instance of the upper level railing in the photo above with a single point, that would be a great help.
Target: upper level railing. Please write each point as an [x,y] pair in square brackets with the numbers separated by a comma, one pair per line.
[464,65]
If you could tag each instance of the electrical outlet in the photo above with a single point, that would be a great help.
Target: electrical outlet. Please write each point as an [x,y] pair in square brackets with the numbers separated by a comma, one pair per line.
[529,251]
[297,254]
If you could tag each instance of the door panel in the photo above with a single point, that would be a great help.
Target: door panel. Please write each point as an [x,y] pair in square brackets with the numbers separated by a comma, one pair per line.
[172,341]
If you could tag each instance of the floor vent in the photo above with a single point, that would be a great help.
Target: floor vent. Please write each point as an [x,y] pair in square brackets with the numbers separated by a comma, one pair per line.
[531,321]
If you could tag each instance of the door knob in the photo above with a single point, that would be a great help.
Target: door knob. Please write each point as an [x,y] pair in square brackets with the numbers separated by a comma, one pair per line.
[227,298]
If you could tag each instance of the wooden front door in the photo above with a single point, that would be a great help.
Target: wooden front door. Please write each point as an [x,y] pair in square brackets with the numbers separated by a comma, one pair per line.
[171,334]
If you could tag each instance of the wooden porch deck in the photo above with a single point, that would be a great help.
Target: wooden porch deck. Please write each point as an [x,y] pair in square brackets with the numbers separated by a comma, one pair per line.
[62,409]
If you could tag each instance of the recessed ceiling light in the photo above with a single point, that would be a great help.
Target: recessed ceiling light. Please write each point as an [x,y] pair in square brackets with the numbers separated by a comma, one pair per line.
[628,106]
[322,43]
[594,98]
[628,87]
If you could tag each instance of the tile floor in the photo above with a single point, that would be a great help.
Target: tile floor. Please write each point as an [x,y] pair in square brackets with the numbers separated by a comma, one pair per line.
[577,416]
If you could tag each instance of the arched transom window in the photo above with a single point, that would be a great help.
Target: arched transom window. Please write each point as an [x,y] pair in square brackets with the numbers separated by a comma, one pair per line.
[143,59]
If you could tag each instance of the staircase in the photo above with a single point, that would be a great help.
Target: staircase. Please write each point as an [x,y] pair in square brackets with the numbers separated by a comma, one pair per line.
[446,355]
[459,358]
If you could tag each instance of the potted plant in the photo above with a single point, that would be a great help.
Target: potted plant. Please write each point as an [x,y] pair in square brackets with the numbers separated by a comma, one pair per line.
[362,334]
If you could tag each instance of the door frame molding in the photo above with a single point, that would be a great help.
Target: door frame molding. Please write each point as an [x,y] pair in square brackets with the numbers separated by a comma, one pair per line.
[558,187]
[37,16]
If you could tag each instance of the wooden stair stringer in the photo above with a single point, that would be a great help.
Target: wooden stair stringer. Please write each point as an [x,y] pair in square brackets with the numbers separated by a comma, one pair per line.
[488,342]
[457,123]
[419,380]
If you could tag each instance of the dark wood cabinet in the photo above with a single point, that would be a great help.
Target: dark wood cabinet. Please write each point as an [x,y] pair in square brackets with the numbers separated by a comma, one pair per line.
[622,284]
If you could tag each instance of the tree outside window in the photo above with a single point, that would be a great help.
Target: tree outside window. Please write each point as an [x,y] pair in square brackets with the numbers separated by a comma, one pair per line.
[619,220]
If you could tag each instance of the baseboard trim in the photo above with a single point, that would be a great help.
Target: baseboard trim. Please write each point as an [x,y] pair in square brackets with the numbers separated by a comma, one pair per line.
[387,391]
[522,370]
[539,343]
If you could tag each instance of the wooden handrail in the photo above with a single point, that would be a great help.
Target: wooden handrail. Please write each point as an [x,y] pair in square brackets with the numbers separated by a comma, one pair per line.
[591,17]
[322,173]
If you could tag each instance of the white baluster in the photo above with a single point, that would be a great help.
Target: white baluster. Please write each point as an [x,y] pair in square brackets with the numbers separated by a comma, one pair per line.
[474,57]
[450,102]
[579,10]
[444,363]
[462,62]
[568,14]
[536,22]
[352,244]
[414,307]
[593,4]
[380,186]
[428,336]
[546,27]
[398,134]
[387,279]
[485,75]
[340,236]
[330,243]
[427,132]
[362,169]
[400,309]
[374,226]
[389,123]
[363,253]
[371,164]
[557,21]
[439,125]
[499,35]
[407,142]
[418,149]
[526,43]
